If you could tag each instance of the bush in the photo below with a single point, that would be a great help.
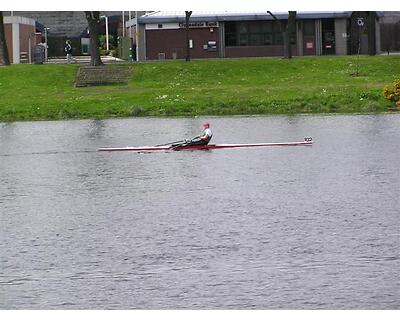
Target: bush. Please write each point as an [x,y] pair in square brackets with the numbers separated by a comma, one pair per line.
[136,111]
[393,93]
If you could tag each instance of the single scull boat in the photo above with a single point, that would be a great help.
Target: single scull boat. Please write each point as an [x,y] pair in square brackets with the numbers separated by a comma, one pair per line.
[306,142]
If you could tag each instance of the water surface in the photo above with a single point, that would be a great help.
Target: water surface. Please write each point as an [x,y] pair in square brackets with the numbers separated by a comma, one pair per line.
[259,228]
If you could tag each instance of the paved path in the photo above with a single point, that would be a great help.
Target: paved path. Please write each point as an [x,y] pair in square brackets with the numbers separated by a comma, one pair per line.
[85,60]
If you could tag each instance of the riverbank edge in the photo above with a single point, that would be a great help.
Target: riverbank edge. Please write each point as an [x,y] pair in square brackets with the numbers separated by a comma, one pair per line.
[331,114]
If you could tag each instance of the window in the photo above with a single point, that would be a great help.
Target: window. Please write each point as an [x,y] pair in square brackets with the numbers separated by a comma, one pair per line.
[243,27]
[266,27]
[278,38]
[256,39]
[230,39]
[309,27]
[268,39]
[243,39]
[230,34]
[254,33]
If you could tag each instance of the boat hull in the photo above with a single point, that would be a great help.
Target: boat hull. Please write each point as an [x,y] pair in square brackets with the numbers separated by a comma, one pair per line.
[210,146]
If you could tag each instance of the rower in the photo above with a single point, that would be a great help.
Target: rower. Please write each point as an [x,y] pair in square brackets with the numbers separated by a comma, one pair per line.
[203,139]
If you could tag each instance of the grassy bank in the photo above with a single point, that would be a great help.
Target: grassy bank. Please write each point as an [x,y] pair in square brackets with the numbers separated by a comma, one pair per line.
[206,87]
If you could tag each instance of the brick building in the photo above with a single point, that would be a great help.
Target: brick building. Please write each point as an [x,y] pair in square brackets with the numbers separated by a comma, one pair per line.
[230,35]
[72,25]
[20,34]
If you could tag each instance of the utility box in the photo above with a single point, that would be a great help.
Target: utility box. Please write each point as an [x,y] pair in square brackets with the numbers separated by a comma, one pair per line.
[23,57]
[85,46]
[125,48]
[39,54]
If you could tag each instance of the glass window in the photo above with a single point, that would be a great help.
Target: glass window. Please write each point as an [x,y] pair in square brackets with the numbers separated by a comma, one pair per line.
[243,27]
[308,27]
[267,27]
[268,39]
[276,27]
[278,38]
[255,33]
[230,27]
[230,39]
[255,27]
[243,40]
[255,39]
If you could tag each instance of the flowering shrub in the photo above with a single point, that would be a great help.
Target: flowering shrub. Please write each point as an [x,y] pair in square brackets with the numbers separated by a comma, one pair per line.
[393,93]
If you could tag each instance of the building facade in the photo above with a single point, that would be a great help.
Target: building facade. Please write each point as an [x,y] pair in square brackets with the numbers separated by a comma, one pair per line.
[229,35]
[72,25]
[20,38]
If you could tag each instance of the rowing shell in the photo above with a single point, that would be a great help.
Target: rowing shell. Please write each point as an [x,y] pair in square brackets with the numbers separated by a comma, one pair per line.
[211,146]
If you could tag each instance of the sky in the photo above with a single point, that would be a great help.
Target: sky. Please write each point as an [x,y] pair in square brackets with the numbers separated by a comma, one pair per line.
[201,5]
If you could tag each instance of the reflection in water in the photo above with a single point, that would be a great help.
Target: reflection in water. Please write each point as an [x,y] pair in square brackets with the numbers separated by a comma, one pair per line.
[266,228]
[96,128]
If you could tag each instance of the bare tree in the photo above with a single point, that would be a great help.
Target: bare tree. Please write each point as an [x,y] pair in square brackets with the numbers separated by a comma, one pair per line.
[187,18]
[287,28]
[93,19]
[3,44]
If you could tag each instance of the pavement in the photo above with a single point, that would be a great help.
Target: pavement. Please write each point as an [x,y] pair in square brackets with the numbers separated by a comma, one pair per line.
[84,60]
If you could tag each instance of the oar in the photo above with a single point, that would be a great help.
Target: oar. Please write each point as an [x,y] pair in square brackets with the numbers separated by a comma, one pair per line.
[165,144]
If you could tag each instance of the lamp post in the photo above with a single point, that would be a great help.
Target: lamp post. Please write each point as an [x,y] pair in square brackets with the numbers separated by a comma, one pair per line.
[360,24]
[137,35]
[123,23]
[45,42]
[106,19]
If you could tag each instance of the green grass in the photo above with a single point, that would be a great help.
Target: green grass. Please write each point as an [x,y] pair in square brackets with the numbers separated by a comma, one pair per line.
[202,87]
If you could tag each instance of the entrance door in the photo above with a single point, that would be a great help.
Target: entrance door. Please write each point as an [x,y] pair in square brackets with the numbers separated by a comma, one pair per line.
[309,46]
[328,36]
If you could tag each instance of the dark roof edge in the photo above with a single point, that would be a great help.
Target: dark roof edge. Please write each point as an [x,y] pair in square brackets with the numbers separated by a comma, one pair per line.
[242,17]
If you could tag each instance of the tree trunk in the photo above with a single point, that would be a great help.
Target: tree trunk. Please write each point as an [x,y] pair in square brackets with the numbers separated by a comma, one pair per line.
[286,29]
[286,42]
[371,33]
[291,26]
[93,19]
[187,18]
[3,44]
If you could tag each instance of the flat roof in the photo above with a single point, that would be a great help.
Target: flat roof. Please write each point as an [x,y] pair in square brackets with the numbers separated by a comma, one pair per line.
[179,16]
[19,20]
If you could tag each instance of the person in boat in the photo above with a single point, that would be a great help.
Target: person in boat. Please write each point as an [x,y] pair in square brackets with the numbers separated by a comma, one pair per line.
[203,139]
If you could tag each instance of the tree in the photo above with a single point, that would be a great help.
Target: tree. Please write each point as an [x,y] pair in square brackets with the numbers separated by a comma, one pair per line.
[287,30]
[187,18]
[3,44]
[93,19]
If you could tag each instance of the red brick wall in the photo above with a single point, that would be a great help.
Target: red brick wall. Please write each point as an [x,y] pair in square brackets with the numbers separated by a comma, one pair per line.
[8,32]
[26,31]
[174,40]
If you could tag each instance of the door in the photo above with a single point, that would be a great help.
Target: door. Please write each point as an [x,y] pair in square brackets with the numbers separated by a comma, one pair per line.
[309,46]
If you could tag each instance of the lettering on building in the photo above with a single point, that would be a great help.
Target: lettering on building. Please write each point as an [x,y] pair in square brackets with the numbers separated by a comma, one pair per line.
[200,24]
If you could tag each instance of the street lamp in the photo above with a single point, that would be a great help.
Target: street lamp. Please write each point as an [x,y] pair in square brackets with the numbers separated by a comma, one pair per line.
[106,18]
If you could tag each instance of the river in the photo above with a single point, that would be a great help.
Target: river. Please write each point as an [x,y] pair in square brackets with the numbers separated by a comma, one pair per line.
[254,228]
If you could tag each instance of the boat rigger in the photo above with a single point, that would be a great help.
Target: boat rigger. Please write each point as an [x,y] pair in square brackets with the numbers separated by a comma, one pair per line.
[306,142]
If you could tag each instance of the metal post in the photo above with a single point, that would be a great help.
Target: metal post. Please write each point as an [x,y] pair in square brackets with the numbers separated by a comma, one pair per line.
[30,49]
[123,23]
[107,45]
[130,28]
[137,35]
[45,42]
